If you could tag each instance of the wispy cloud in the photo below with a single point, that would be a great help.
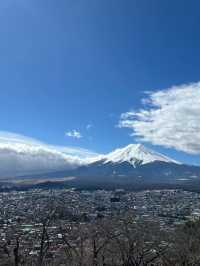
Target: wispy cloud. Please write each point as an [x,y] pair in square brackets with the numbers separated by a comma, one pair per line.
[170,118]
[89,126]
[20,154]
[74,134]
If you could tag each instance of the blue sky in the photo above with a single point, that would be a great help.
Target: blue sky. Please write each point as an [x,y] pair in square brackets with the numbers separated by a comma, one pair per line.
[69,64]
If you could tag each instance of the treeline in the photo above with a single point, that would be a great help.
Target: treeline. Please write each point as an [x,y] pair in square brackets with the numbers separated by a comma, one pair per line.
[119,241]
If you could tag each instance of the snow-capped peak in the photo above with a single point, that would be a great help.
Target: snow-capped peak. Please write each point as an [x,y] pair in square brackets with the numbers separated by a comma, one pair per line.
[136,154]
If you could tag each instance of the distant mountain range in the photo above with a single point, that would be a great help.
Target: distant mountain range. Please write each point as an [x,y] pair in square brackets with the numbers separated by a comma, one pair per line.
[131,165]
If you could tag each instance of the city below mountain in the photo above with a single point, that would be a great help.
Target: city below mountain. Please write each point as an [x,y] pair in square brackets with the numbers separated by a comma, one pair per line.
[131,166]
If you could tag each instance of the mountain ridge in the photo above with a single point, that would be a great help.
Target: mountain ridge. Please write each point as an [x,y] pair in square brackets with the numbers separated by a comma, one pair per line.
[131,165]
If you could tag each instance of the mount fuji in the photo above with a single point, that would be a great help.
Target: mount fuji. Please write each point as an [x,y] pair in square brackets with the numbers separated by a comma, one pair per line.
[133,165]
[136,154]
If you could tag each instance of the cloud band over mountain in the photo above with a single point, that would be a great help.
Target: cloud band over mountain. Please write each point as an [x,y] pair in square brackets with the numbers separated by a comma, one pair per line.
[20,155]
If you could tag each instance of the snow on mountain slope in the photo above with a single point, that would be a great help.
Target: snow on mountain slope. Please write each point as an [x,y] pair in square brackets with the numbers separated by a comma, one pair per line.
[136,154]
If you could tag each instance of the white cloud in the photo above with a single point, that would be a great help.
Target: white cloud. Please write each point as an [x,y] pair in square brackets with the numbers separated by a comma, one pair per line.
[20,155]
[170,118]
[74,134]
